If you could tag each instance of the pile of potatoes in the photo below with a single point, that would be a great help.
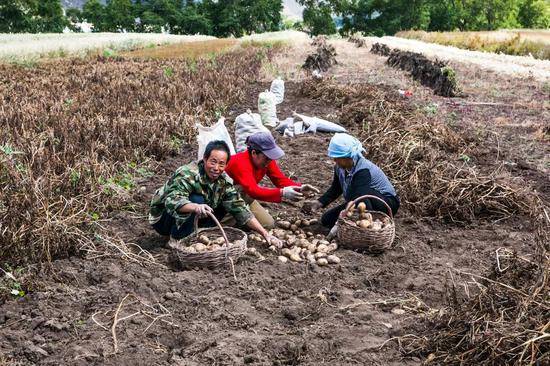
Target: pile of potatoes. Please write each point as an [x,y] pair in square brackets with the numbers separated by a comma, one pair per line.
[205,244]
[359,215]
[302,245]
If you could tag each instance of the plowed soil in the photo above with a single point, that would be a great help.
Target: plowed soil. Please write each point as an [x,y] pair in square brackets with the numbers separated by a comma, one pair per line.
[270,313]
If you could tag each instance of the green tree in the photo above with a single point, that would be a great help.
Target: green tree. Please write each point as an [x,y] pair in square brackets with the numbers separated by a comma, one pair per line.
[534,14]
[120,15]
[94,12]
[49,17]
[194,21]
[318,17]
[16,15]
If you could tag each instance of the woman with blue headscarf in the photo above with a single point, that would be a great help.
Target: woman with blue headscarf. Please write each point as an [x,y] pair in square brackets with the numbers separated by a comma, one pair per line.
[354,176]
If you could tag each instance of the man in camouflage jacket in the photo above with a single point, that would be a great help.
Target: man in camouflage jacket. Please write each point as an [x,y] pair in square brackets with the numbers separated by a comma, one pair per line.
[199,187]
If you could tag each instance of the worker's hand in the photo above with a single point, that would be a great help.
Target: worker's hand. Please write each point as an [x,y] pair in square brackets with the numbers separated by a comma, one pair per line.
[312,206]
[308,188]
[202,209]
[292,193]
[333,232]
[273,240]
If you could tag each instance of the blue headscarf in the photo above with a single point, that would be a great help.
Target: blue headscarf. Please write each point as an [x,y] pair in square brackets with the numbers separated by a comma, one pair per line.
[343,145]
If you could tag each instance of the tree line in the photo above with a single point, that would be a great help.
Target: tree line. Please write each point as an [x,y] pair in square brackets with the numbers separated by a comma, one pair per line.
[386,17]
[224,18]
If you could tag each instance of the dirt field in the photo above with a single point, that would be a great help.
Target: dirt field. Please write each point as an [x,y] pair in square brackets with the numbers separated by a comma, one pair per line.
[291,314]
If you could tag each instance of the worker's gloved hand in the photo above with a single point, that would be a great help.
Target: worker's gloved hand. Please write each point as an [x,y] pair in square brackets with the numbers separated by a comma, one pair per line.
[312,206]
[333,232]
[202,209]
[292,193]
[273,240]
[308,188]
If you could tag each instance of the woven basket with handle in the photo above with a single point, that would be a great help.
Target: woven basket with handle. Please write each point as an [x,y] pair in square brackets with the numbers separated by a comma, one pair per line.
[214,258]
[369,240]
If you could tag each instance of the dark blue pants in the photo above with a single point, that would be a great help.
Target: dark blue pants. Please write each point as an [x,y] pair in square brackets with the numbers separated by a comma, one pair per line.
[167,223]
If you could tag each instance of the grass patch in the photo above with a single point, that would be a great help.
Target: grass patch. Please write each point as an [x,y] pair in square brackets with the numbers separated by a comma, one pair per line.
[189,50]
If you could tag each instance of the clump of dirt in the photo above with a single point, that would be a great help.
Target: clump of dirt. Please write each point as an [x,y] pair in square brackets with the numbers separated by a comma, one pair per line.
[380,49]
[323,58]
[505,324]
[357,40]
[436,75]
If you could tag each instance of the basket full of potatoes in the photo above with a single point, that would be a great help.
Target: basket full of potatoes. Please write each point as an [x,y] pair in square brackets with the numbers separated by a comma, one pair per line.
[369,231]
[209,247]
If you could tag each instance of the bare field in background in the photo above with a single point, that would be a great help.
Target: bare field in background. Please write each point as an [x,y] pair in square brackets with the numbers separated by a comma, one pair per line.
[511,42]
[190,50]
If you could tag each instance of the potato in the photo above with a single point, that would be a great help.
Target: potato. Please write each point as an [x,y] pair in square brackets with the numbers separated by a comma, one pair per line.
[214,247]
[279,233]
[282,259]
[191,249]
[204,239]
[273,248]
[332,247]
[301,236]
[364,224]
[292,240]
[219,241]
[349,214]
[320,255]
[325,242]
[286,252]
[305,222]
[283,224]
[309,234]
[377,225]
[319,236]
[298,223]
[312,248]
[252,251]
[322,262]
[313,222]
[311,258]
[200,247]
[295,257]
[293,227]
[332,259]
[322,248]
[361,207]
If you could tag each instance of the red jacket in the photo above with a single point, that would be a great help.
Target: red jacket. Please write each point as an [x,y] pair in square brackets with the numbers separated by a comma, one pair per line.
[243,173]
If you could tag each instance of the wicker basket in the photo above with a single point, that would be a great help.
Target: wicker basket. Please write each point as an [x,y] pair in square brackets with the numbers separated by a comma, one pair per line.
[368,240]
[214,258]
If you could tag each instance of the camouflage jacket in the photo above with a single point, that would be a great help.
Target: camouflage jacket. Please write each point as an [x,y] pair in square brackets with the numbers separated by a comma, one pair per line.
[192,178]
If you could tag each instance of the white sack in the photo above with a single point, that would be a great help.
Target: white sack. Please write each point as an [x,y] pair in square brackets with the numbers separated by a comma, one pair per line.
[315,124]
[217,131]
[247,124]
[278,90]
[267,108]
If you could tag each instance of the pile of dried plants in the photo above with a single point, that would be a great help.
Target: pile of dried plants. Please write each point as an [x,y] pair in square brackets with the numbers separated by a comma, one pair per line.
[427,161]
[77,133]
[506,322]
[323,58]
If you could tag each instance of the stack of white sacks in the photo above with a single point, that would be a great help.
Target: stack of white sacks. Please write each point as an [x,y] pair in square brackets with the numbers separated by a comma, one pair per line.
[249,123]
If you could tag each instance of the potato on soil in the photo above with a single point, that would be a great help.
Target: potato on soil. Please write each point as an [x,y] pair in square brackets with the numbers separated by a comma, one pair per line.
[295,257]
[322,262]
[320,255]
[332,247]
[282,259]
[332,259]
[284,224]
[322,248]
[293,227]
[311,258]
[273,248]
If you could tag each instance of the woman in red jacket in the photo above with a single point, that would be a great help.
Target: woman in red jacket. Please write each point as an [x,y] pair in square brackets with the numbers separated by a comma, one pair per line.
[248,168]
